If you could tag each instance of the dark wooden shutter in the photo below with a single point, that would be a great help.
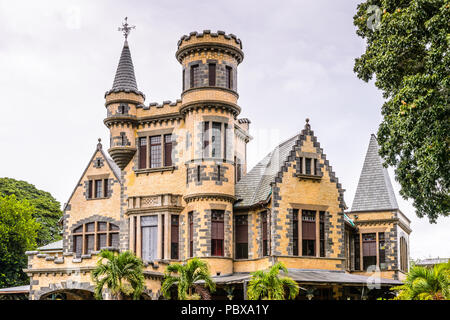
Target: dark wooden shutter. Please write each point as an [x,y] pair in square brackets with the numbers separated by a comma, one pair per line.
[229,77]
[168,150]
[309,230]
[105,188]
[90,189]
[212,74]
[142,153]
[242,229]
[191,234]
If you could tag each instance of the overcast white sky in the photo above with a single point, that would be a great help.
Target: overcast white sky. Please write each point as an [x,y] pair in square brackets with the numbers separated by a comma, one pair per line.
[57,59]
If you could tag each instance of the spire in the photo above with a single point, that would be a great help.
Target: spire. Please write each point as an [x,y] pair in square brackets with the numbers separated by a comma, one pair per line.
[374,191]
[125,80]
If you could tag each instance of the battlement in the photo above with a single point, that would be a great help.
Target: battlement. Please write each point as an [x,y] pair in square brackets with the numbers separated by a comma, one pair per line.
[219,40]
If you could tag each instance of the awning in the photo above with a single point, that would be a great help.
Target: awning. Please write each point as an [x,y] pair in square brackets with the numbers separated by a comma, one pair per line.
[15,290]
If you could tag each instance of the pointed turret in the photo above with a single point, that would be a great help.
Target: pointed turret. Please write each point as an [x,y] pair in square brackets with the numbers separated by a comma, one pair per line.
[121,103]
[374,191]
[125,79]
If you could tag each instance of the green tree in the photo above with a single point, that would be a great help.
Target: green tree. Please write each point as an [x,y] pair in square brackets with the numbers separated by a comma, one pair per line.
[268,285]
[408,54]
[185,276]
[121,273]
[18,231]
[426,283]
[46,209]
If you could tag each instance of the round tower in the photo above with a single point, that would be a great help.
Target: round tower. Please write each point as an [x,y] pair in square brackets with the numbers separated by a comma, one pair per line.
[121,103]
[209,105]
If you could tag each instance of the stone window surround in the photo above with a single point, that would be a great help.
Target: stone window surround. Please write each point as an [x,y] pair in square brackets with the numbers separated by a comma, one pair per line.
[317,209]
[96,232]
[136,236]
[150,133]
[224,149]
[101,177]
[377,231]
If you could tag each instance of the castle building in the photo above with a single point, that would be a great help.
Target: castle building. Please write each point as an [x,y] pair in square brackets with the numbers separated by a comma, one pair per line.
[175,185]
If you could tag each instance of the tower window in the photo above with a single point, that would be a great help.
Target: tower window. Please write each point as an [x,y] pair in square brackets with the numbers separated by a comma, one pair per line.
[217,232]
[212,74]
[191,233]
[216,139]
[205,137]
[184,79]
[369,250]
[194,76]
[174,236]
[229,77]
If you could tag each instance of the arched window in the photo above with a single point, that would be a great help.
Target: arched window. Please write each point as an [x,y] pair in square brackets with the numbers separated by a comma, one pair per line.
[403,255]
[93,236]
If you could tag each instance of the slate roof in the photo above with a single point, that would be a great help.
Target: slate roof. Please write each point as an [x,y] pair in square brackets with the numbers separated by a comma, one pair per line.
[312,276]
[125,80]
[374,191]
[57,245]
[255,185]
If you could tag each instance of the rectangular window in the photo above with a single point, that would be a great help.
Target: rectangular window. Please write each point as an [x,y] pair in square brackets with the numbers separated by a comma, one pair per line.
[184,77]
[143,153]
[191,234]
[308,233]
[295,232]
[98,188]
[307,166]
[149,234]
[225,127]
[357,252]
[114,240]
[265,244]
[205,138]
[369,250]
[382,250]
[241,224]
[167,150]
[101,241]
[162,236]
[90,189]
[78,245]
[216,139]
[229,77]
[322,233]
[174,222]
[105,187]
[212,74]
[90,240]
[155,152]
[217,232]
[194,76]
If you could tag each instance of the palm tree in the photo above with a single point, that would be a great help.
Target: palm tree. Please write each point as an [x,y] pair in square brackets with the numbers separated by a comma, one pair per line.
[268,285]
[185,276]
[121,273]
[426,283]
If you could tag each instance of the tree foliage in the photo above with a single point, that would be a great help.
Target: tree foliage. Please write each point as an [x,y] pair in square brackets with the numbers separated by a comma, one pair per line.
[121,273]
[46,209]
[268,285]
[426,283]
[185,278]
[408,55]
[18,231]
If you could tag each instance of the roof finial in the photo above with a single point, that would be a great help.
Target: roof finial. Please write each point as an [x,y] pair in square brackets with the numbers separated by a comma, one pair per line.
[126,28]
[307,125]
[99,144]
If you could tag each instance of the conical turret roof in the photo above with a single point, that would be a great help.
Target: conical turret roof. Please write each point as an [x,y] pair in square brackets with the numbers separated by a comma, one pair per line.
[374,191]
[125,79]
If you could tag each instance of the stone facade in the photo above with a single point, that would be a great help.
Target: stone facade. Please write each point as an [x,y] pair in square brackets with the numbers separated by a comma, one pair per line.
[207,144]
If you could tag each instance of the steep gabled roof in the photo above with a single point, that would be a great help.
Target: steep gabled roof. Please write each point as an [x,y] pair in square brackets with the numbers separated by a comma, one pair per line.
[255,185]
[125,80]
[374,191]
[112,165]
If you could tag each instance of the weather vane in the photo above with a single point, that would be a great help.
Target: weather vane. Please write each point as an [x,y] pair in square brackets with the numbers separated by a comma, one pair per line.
[126,28]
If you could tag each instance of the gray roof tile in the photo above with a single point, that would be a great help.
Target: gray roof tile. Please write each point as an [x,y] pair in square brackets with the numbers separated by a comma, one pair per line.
[374,191]
[255,185]
[125,80]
